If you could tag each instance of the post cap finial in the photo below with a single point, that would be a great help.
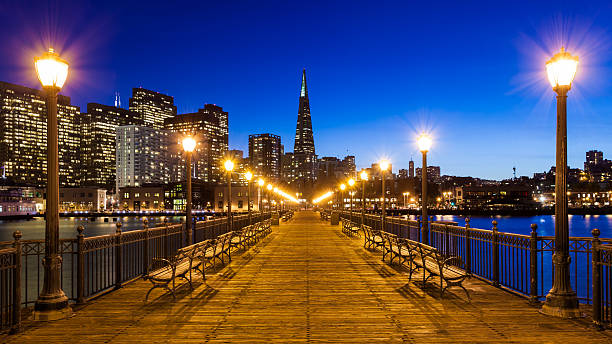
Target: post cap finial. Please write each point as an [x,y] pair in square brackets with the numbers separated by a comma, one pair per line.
[534,227]
[118,227]
[595,232]
[17,235]
[467,220]
[494,225]
[145,220]
[80,229]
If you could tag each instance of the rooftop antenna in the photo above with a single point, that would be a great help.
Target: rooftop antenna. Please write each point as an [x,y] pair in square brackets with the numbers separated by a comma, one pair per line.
[514,172]
[117,100]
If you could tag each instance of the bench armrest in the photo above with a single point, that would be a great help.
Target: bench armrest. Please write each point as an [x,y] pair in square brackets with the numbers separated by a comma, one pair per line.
[455,261]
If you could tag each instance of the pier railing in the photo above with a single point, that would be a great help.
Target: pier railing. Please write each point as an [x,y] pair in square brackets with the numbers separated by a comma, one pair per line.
[94,265]
[519,263]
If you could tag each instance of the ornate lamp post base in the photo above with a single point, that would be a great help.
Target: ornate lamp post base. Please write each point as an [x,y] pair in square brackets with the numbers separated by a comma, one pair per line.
[561,305]
[52,309]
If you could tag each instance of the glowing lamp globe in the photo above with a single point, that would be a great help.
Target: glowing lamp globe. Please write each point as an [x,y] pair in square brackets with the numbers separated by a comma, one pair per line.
[276,190]
[248,175]
[51,69]
[229,165]
[261,182]
[342,187]
[384,165]
[424,142]
[351,182]
[189,144]
[364,175]
[561,69]
[269,186]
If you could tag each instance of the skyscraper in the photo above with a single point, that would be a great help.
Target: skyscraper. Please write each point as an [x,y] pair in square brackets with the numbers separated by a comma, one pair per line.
[411,169]
[98,146]
[304,155]
[265,156]
[23,136]
[153,107]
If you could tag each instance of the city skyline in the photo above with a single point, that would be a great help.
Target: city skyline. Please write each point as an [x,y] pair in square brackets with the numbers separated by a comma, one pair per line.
[360,105]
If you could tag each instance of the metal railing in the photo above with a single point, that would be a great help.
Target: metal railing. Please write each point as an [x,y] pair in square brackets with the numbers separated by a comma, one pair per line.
[92,266]
[520,263]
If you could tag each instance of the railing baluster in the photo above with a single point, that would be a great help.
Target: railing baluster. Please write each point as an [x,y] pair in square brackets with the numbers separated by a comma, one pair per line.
[533,265]
[495,255]
[118,256]
[596,279]
[80,265]
[16,302]
[468,247]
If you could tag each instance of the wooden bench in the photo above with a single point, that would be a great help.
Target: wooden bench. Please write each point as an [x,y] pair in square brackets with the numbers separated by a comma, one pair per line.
[449,270]
[179,266]
[371,237]
[287,216]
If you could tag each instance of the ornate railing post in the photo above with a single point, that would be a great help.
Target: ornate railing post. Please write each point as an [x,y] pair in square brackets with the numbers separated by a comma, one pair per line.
[145,248]
[495,255]
[182,236]
[80,265]
[167,240]
[468,247]
[118,256]
[419,224]
[447,244]
[596,279]
[533,265]
[16,321]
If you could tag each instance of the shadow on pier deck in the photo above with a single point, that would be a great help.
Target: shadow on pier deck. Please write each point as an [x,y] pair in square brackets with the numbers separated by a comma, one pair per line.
[307,282]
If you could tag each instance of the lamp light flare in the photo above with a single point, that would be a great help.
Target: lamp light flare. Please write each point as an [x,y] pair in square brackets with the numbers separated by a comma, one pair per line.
[229,165]
[351,182]
[189,144]
[248,175]
[51,69]
[261,182]
[269,186]
[383,164]
[324,196]
[561,69]
[364,175]
[342,187]
[424,141]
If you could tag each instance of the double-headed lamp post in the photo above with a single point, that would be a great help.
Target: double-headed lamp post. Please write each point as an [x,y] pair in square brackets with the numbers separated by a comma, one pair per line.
[189,145]
[229,166]
[260,183]
[364,177]
[248,176]
[52,303]
[384,165]
[561,300]
[424,142]
[351,183]
[342,188]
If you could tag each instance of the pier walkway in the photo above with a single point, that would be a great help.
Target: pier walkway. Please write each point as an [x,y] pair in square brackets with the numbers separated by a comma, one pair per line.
[308,283]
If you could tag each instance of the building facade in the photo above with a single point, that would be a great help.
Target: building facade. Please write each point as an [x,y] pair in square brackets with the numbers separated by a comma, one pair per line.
[98,146]
[23,136]
[152,107]
[142,156]
[141,198]
[90,199]
[304,155]
[265,156]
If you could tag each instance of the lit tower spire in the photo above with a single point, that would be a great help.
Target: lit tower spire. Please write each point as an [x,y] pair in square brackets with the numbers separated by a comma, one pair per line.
[304,140]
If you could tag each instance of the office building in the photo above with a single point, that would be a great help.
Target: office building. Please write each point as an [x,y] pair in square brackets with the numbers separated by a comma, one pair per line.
[433,173]
[411,169]
[304,154]
[153,107]
[23,136]
[265,156]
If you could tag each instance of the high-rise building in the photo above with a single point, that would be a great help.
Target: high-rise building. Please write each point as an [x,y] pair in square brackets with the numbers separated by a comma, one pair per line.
[153,107]
[265,156]
[304,155]
[348,165]
[411,169]
[142,156]
[23,136]
[433,173]
[98,146]
[209,127]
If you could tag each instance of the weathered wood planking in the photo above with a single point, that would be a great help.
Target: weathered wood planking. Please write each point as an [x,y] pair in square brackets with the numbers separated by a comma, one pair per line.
[308,283]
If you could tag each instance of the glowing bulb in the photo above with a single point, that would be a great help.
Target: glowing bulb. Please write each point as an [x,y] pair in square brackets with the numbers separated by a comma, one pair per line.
[248,175]
[189,144]
[424,142]
[342,187]
[261,182]
[384,165]
[229,165]
[561,69]
[269,186]
[364,175]
[51,69]
[351,182]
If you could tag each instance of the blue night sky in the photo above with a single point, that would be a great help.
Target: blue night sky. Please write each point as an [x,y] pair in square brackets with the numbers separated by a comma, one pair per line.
[378,72]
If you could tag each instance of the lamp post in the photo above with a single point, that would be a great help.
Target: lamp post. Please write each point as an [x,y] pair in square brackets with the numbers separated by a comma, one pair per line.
[383,164]
[52,302]
[364,176]
[424,142]
[229,166]
[342,188]
[248,176]
[561,300]
[276,199]
[269,187]
[260,183]
[188,146]
[351,183]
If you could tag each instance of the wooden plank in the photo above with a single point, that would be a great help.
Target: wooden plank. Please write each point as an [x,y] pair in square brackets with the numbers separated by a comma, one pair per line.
[308,283]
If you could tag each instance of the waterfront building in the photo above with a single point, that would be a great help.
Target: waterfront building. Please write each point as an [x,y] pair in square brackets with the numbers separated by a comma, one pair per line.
[141,198]
[23,136]
[202,196]
[209,127]
[265,156]
[98,146]
[495,196]
[142,155]
[304,155]
[19,201]
[153,107]
[239,198]
[598,169]
[90,199]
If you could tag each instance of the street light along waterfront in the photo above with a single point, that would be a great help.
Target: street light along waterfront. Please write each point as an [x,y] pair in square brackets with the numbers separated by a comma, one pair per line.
[561,300]
[351,183]
[248,176]
[342,188]
[364,177]
[383,164]
[52,303]
[229,166]
[424,142]
[189,144]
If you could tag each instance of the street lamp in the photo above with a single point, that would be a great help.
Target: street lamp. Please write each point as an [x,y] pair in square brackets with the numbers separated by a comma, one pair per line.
[188,146]
[229,166]
[424,142]
[342,188]
[351,183]
[276,199]
[364,176]
[269,187]
[52,302]
[561,299]
[384,165]
[248,176]
[261,183]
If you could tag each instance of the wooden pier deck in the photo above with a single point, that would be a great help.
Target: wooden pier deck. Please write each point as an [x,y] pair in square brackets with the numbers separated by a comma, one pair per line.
[308,283]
